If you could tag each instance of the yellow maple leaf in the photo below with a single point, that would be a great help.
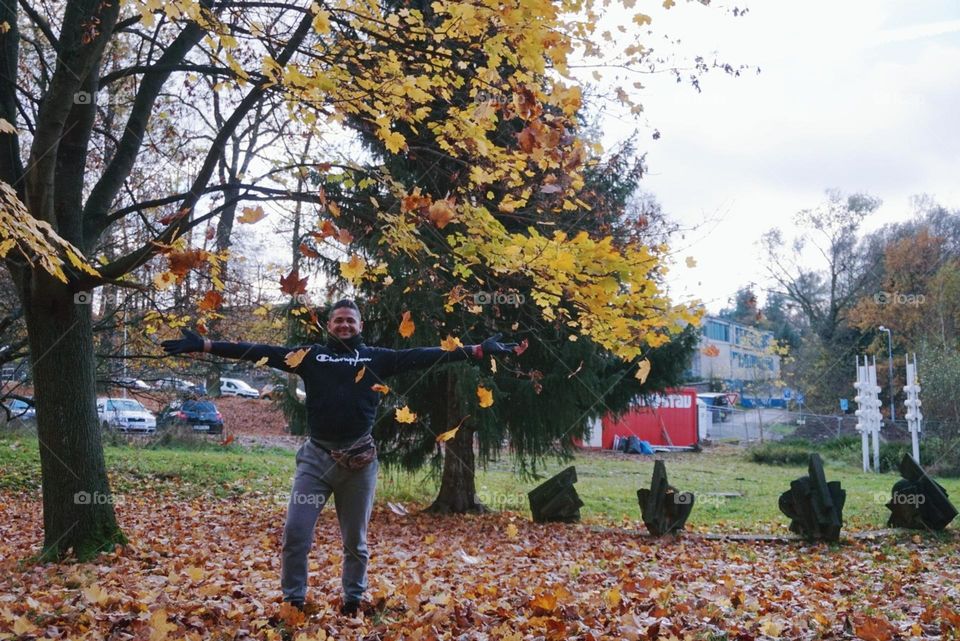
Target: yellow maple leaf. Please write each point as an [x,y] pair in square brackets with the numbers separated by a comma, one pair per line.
[360,374]
[383,389]
[612,598]
[96,594]
[262,361]
[485,396]
[251,215]
[159,626]
[354,268]
[394,141]
[195,573]
[450,343]
[446,436]
[771,628]
[642,19]
[293,359]
[23,626]
[407,326]
[511,531]
[691,262]
[643,370]
[404,415]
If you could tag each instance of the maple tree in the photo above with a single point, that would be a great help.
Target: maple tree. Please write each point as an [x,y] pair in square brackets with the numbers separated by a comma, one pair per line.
[105,111]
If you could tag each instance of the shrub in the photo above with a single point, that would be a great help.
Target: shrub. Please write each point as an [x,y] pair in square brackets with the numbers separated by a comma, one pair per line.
[786,452]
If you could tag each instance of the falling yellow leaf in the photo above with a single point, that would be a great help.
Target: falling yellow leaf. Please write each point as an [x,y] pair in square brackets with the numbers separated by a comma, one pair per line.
[450,343]
[404,415]
[493,365]
[251,215]
[667,4]
[394,141]
[360,374]
[446,436]
[354,268]
[383,389]
[261,362]
[407,326]
[485,396]
[691,262]
[195,573]
[511,531]
[164,280]
[643,370]
[293,359]
[430,539]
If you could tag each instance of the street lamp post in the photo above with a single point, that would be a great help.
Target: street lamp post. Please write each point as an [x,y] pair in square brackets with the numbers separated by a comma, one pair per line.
[893,411]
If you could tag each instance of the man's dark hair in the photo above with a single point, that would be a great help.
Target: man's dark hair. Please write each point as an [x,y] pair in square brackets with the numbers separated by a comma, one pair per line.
[344,302]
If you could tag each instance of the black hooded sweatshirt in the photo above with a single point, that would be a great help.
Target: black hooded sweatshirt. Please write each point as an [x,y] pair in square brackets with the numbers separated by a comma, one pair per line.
[341,409]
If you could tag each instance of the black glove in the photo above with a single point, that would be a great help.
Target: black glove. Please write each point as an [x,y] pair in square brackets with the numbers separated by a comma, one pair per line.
[191,342]
[493,345]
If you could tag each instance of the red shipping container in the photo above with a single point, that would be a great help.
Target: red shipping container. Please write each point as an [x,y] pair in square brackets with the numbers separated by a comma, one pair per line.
[665,419]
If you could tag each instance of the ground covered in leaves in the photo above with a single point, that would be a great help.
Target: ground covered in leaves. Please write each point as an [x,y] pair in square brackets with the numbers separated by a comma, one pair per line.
[208,568]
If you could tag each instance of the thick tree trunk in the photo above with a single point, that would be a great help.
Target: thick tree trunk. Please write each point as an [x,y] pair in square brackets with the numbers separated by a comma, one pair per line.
[458,489]
[78,514]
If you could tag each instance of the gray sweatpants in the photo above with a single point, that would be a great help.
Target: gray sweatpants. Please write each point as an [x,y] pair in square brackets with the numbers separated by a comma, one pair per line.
[318,477]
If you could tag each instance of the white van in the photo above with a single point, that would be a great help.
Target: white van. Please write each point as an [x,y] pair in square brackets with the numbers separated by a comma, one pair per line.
[236,387]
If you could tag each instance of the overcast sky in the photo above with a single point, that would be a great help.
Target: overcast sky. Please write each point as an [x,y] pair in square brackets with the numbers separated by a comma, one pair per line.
[857,95]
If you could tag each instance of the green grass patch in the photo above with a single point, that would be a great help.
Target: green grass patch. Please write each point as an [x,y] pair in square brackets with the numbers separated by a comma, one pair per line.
[607,481]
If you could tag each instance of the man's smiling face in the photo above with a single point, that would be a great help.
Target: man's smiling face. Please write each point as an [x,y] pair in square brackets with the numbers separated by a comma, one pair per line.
[345,323]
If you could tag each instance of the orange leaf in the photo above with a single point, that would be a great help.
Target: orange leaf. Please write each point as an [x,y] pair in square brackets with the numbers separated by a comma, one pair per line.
[293,359]
[360,374]
[446,436]
[441,213]
[383,389]
[211,301]
[291,615]
[227,441]
[292,284]
[251,215]
[407,326]
[544,602]
[874,629]
[450,343]
[169,218]
[309,251]
[485,396]
[345,237]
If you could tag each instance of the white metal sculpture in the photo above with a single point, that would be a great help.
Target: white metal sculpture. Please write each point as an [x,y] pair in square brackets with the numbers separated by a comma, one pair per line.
[869,419]
[913,403]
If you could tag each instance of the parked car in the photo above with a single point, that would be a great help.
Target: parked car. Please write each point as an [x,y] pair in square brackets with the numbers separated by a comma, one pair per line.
[12,374]
[179,385]
[200,414]
[236,387]
[133,383]
[272,391]
[718,403]
[20,409]
[125,414]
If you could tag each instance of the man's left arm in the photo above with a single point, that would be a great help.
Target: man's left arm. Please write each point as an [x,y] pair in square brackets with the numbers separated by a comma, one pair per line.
[402,360]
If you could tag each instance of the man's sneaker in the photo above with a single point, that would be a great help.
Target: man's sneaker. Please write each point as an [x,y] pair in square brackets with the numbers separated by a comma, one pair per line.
[350,608]
[296,604]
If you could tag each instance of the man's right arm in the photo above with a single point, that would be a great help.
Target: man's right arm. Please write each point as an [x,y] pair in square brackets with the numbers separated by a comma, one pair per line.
[193,342]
